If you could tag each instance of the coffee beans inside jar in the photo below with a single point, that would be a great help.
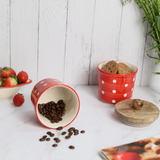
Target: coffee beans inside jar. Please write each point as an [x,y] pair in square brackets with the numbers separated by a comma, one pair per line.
[52,111]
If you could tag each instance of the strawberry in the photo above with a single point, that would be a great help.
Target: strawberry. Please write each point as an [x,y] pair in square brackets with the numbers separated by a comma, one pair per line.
[1,83]
[10,81]
[22,77]
[7,71]
[18,99]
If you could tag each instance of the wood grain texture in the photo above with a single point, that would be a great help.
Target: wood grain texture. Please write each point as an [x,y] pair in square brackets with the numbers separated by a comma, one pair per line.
[52,33]
[67,39]
[4,33]
[78,44]
[106,31]
[136,118]
[24,36]
[132,38]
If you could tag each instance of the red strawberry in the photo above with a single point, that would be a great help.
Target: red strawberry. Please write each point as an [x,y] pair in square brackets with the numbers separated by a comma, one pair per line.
[7,71]
[10,81]
[22,77]
[18,99]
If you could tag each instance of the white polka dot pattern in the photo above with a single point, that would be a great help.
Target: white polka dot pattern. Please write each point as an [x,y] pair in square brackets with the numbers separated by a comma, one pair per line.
[102,92]
[113,101]
[42,82]
[132,89]
[126,85]
[102,82]
[114,81]
[114,91]
[133,79]
[125,95]
[45,84]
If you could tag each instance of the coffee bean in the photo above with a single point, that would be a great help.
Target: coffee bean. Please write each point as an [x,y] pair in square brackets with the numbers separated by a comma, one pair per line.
[54,145]
[52,134]
[52,111]
[44,136]
[42,139]
[67,137]
[57,140]
[60,128]
[48,139]
[63,133]
[71,147]
[49,133]
[71,129]
[76,133]
[60,101]
[83,131]
[70,133]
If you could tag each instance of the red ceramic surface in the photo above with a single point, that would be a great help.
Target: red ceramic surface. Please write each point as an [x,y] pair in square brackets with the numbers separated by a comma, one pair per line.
[113,88]
[46,86]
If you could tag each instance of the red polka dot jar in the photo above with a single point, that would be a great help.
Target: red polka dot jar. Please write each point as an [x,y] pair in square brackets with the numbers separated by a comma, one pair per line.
[113,88]
[50,89]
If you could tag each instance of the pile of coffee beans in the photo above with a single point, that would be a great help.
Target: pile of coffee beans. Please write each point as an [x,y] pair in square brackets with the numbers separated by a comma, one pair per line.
[71,131]
[53,111]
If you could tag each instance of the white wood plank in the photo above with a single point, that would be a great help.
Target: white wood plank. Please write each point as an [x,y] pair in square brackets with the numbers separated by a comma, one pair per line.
[4,33]
[24,36]
[52,34]
[105,35]
[79,36]
[132,38]
[149,66]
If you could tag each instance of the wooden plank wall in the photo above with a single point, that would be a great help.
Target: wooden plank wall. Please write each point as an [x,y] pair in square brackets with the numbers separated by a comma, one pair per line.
[67,39]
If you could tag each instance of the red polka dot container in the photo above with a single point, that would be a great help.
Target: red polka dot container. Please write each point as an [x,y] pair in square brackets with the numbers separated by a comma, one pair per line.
[50,89]
[113,88]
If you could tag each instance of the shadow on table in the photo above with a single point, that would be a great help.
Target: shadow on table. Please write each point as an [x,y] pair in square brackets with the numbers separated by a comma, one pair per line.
[29,118]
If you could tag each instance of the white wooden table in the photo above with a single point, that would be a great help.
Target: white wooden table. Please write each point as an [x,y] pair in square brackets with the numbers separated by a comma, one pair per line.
[20,130]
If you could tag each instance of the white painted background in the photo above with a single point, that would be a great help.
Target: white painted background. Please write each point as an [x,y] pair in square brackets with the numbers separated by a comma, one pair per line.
[67,39]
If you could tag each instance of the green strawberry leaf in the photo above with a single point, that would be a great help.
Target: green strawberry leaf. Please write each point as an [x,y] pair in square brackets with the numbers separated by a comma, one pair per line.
[6,68]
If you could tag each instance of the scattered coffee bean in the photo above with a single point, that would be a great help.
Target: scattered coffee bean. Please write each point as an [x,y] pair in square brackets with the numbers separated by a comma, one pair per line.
[42,139]
[67,137]
[49,133]
[71,147]
[60,128]
[63,133]
[76,134]
[82,131]
[70,133]
[54,145]
[52,134]
[71,129]
[57,140]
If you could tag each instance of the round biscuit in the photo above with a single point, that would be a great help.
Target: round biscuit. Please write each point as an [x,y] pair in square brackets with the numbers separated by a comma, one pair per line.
[123,69]
[111,67]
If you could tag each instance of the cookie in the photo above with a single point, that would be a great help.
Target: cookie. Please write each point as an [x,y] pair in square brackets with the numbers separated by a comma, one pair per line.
[123,69]
[111,67]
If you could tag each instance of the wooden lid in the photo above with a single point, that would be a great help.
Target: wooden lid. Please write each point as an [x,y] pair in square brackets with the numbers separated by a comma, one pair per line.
[136,118]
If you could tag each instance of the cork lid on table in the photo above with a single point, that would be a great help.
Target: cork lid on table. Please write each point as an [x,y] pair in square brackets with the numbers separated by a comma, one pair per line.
[136,118]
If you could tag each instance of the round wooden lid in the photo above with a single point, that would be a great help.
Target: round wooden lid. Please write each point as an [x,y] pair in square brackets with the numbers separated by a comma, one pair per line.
[136,118]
